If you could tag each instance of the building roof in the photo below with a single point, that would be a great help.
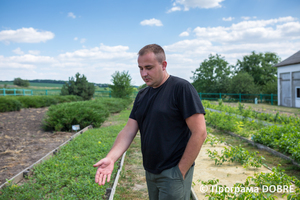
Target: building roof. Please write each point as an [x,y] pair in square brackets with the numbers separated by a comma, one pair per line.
[294,59]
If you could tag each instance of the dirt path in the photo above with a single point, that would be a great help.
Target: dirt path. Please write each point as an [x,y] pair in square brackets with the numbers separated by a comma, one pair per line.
[23,141]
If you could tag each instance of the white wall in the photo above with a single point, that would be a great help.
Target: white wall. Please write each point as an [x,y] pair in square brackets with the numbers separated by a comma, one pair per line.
[285,69]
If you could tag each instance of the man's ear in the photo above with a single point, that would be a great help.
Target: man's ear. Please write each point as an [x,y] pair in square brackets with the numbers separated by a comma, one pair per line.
[164,65]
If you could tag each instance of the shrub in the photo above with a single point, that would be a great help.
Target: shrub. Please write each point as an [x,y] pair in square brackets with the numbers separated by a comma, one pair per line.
[115,104]
[8,104]
[36,101]
[68,98]
[61,117]
[21,82]
[15,103]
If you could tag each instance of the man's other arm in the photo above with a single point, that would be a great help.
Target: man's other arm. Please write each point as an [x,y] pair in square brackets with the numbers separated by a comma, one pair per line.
[197,126]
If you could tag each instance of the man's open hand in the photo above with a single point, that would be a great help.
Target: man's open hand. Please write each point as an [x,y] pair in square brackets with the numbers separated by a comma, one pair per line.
[105,168]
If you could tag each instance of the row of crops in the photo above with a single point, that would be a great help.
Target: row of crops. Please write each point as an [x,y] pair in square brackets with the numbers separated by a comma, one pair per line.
[70,173]
[283,135]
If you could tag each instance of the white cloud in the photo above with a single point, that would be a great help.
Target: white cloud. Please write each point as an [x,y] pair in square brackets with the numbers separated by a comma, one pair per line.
[245,31]
[25,35]
[184,34]
[70,14]
[245,18]
[34,52]
[228,19]
[18,51]
[151,22]
[173,9]
[187,4]
[118,48]
[75,38]
[83,40]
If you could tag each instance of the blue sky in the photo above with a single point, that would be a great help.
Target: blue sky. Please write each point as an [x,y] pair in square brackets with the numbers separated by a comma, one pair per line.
[55,39]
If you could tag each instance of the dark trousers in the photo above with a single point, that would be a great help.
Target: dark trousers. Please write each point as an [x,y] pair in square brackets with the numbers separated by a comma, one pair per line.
[170,185]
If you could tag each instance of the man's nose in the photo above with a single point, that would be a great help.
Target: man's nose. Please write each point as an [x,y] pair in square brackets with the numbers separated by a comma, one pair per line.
[143,72]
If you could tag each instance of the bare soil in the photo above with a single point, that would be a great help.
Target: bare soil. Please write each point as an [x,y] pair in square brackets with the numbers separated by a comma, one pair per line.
[23,141]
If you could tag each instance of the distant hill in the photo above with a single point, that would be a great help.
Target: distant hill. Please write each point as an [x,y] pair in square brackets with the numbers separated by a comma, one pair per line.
[47,81]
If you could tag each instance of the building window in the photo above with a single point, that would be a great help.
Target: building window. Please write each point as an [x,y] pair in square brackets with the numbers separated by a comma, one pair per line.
[298,93]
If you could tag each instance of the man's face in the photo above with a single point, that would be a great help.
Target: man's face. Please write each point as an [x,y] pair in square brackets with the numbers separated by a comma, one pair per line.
[152,72]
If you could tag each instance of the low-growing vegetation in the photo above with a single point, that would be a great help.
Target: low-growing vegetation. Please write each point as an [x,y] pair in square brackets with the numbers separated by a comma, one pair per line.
[241,110]
[236,154]
[61,117]
[70,173]
[285,139]
[15,103]
[233,123]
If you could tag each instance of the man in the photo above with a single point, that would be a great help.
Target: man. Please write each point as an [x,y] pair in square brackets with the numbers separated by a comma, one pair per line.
[170,117]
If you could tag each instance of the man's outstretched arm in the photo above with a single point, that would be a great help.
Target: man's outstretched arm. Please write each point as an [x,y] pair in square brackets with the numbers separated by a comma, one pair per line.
[197,126]
[123,141]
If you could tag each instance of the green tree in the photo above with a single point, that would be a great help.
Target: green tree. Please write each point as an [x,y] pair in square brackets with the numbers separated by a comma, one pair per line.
[21,82]
[243,83]
[260,66]
[270,88]
[213,75]
[121,87]
[79,86]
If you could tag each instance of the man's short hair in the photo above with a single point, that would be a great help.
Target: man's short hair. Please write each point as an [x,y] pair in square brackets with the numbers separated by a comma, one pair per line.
[156,49]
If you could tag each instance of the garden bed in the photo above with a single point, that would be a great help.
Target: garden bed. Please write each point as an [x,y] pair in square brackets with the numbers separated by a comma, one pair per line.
[23,141]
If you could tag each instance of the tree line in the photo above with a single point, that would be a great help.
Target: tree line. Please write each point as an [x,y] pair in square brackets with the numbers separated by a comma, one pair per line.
[254,74]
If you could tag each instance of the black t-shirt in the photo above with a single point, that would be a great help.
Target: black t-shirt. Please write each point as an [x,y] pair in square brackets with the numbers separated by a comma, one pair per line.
[161,113]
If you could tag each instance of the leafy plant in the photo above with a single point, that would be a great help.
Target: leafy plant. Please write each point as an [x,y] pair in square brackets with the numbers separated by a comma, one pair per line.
[236,154]
[212,140]
[285,139]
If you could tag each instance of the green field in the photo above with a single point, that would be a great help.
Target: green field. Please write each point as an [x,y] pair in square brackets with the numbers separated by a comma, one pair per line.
[32,85]
[43,86]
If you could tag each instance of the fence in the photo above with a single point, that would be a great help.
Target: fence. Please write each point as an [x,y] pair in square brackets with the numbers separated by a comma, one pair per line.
[262,98]
[27,92]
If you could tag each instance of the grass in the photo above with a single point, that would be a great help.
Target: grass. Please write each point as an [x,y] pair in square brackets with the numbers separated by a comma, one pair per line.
[70,174]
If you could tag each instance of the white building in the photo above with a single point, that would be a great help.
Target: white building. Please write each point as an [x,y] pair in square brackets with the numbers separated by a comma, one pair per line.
[288,73]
